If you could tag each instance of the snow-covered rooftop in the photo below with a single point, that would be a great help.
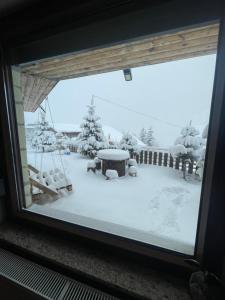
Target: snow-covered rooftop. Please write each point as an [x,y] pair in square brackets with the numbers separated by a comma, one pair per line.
[67,127]
[116,135]
[109,132]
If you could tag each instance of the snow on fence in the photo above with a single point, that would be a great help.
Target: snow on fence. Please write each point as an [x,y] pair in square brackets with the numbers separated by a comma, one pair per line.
[156,157]
[73,148]
[165,159]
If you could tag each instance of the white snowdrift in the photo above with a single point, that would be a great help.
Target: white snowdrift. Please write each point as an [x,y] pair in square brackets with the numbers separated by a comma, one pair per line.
[157,207]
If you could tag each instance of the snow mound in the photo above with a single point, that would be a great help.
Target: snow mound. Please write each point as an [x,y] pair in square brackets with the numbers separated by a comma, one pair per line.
[178,149]
[133,171]
[111,174]
[132,162]
[91,164]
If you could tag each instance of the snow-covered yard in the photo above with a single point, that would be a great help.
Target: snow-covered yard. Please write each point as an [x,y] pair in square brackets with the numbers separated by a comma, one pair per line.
[156,207]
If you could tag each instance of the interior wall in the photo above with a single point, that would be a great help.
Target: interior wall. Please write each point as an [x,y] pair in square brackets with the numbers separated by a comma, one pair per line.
[21,132]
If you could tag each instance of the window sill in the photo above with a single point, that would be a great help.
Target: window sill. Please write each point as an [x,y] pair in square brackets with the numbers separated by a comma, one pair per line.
[96,265]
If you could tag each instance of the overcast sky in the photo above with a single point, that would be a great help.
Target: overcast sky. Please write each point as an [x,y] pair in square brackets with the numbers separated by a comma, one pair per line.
[165,96]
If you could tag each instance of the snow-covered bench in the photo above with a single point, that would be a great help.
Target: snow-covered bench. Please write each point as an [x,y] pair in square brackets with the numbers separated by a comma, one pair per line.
[91,165]
[132,171]
[49,183]
[111,174]
[97,163]
[132,162]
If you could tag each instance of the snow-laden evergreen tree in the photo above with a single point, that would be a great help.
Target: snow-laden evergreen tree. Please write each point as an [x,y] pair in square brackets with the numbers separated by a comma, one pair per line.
[187,146]
[128,142]
[43,139]
[191,140]
[143,135]
[150,140]
[62,141]
[111,143]
[91,139]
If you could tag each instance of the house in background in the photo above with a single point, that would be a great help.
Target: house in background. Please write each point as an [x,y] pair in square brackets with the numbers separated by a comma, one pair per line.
[69,130]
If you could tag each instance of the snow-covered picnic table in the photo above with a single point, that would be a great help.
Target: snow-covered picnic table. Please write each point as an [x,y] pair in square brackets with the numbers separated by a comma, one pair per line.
[113,159]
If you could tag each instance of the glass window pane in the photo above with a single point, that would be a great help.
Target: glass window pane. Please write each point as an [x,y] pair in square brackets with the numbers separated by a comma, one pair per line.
[114,139]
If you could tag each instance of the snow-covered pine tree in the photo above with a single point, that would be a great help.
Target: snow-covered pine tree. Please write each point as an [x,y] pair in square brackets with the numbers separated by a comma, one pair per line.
[43,139]
[150,140]
[61,141]
[128,142]
[111,143]
[91,139]
[143,135]
[187,146]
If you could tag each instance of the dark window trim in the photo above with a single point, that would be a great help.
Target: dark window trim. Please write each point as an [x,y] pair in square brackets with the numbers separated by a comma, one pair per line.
[14,176]
[153,19]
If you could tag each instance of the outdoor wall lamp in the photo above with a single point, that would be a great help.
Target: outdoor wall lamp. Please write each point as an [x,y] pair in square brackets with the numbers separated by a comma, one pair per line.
[127,74]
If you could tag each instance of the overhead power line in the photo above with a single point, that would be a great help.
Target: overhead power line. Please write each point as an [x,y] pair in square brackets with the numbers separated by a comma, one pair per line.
[136,112]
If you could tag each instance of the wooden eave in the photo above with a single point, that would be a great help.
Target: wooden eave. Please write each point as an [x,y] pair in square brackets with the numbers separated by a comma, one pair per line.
[150,50]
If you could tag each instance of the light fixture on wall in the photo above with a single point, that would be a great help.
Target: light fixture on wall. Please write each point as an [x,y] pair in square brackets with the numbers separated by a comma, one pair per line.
[127,74]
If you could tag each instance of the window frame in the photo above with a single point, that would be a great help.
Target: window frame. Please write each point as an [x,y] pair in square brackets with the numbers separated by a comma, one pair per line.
[13,161]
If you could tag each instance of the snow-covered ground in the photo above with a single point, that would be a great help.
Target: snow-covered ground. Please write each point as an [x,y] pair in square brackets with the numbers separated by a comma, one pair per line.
[156,207]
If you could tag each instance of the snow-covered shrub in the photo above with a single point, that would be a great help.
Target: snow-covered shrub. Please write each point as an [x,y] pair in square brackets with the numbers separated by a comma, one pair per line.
[62,141]
[132,171]
[200,168]
[178,150]
[111,174]
[200,163]
[128,142]
[67,151]
[43,141]
[132,162]
[43,138]
[190,139]
[187,146]
[91,139]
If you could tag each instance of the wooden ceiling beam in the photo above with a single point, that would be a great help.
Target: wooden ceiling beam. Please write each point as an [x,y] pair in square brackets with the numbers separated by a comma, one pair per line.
[181,37]
[141,64]
[127,55]
[39,78]
[132,62]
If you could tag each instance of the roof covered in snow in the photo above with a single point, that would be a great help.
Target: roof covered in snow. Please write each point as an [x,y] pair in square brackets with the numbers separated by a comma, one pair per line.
[66,127]
[116,135]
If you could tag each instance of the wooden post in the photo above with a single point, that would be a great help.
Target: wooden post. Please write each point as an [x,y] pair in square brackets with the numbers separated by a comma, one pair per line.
[150,157]
[171,161]
[160,155]
[146,157]
[166,159]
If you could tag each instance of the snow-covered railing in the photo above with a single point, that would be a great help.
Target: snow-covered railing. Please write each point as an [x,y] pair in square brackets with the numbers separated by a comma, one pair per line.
[162,158]
[73,148]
